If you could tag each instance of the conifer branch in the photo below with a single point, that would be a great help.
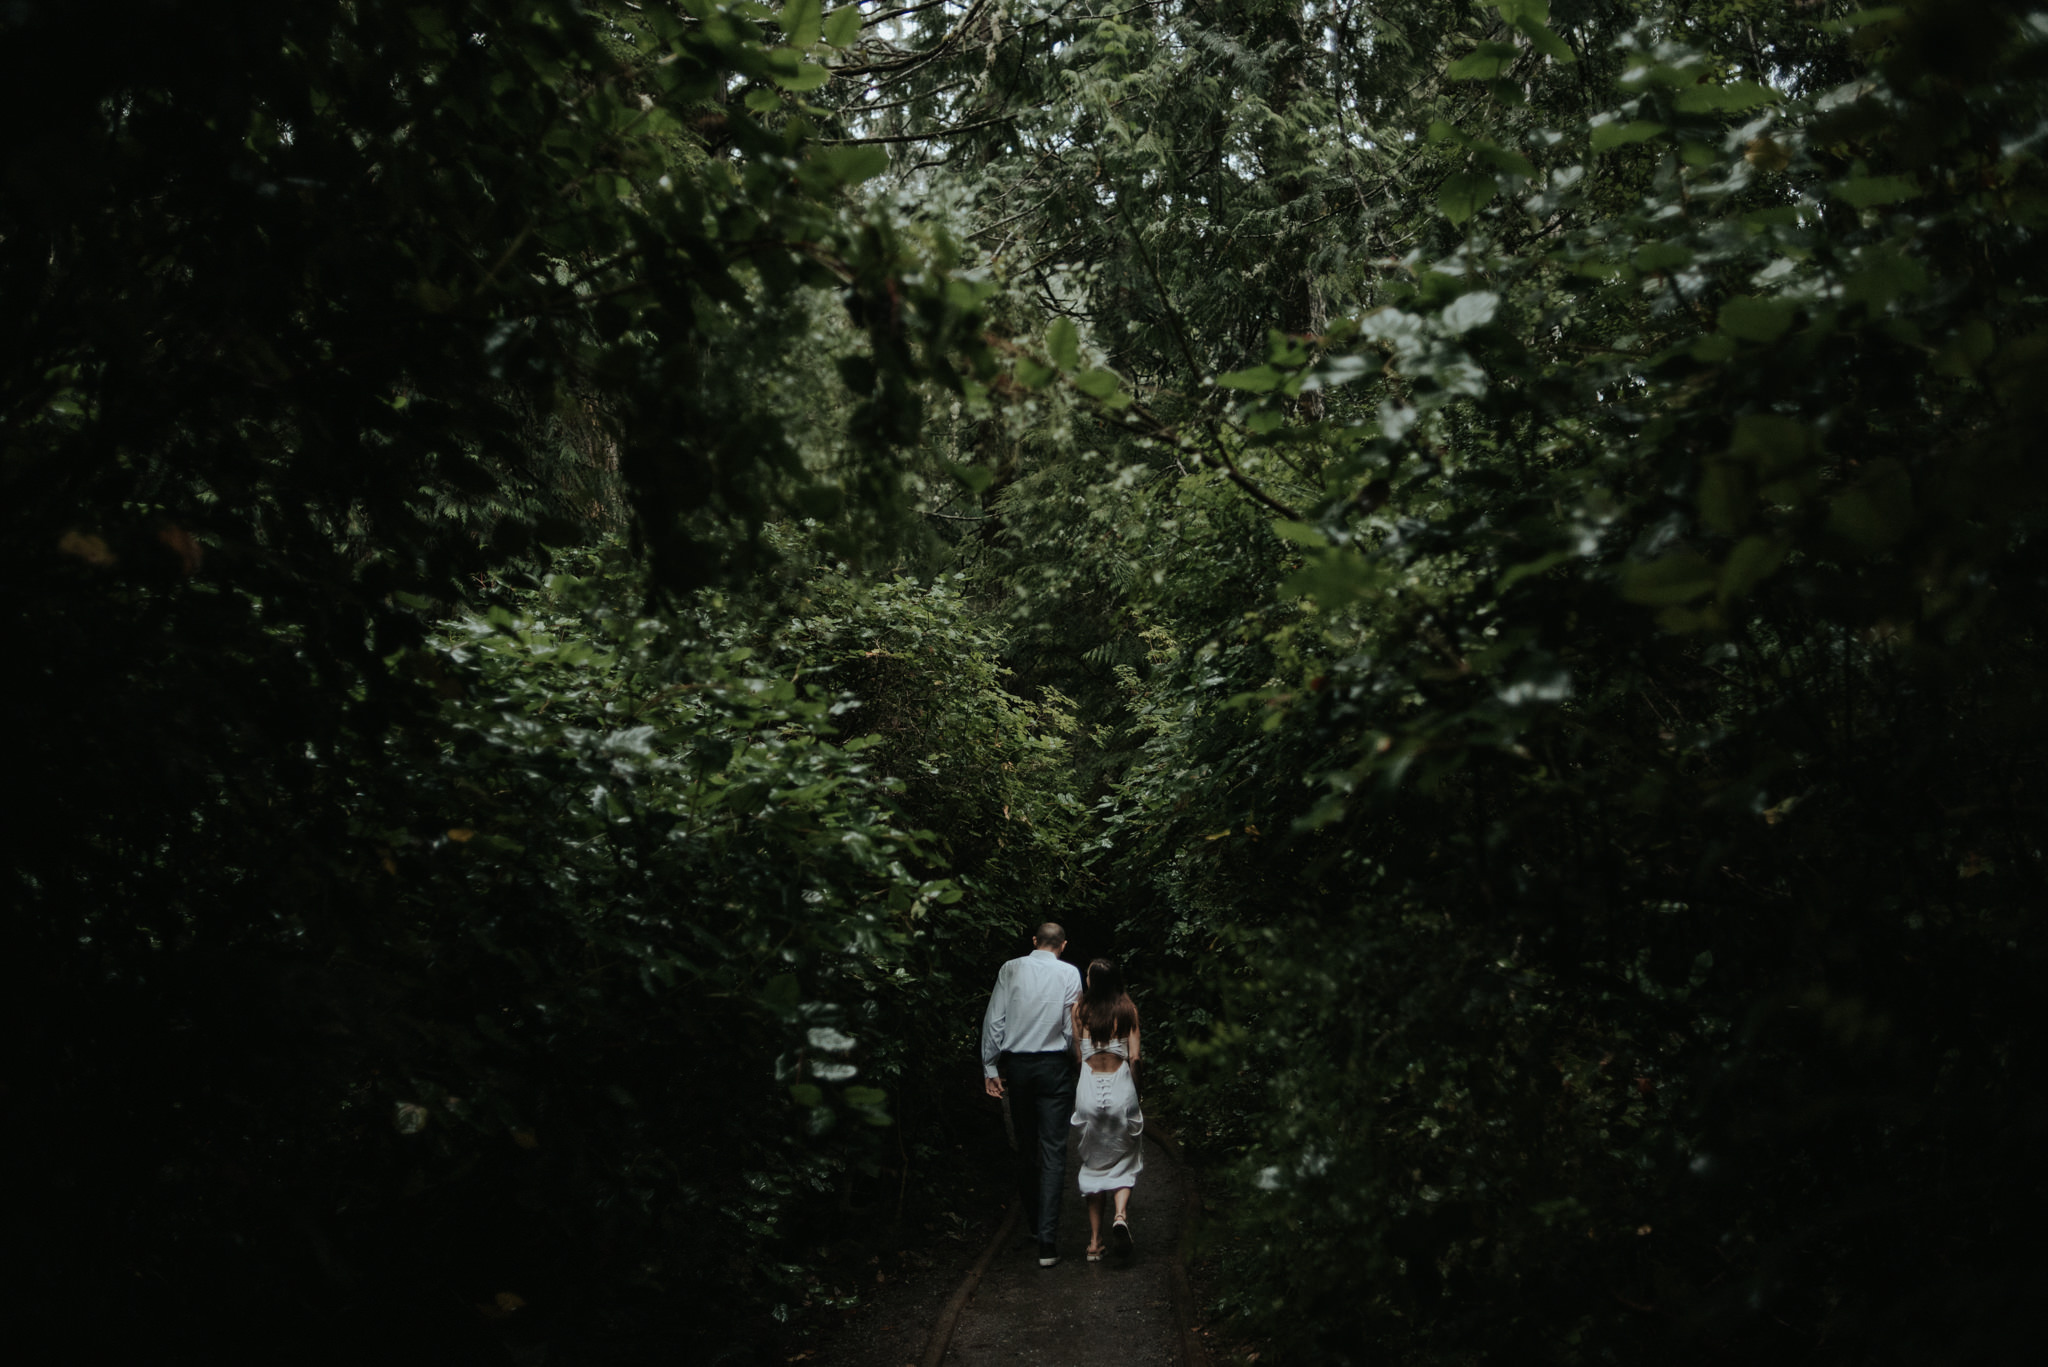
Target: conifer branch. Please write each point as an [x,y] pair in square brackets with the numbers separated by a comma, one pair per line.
[904,63]
[1187,351]
[918,137]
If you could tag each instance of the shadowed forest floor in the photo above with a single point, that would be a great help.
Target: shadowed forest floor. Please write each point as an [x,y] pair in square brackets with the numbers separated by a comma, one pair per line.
[1076,1314]
[1082,1314]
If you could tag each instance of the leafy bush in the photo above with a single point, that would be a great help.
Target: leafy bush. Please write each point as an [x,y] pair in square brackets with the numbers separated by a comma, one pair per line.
[1648,956]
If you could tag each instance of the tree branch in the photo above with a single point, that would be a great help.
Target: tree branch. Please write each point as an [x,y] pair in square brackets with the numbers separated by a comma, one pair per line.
[1187,351]
[917,137]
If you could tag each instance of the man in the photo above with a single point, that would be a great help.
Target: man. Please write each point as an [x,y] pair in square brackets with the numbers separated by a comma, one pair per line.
[1027,1054]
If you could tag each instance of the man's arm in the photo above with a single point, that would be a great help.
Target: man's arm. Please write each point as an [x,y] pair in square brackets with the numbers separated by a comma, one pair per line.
[993,1024]
[1070,1014]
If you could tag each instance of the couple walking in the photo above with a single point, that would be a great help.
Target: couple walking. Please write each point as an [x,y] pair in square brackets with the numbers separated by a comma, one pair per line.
[1064,1054]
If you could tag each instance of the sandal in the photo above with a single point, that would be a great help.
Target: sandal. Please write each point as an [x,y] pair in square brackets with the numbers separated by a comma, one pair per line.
[1094,1254]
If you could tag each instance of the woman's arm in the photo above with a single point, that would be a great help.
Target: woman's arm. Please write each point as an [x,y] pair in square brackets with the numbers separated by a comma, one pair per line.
[1135,1050]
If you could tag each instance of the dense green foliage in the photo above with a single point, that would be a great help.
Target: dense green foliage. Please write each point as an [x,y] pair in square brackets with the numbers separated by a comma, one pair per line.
[1487,548]
[319,317]
[1619,826]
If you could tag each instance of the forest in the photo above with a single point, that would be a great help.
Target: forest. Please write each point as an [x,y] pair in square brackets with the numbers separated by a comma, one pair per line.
[578,573]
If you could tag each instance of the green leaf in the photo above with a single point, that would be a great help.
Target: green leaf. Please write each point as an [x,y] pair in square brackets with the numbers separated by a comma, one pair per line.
[1662,256]
[1465,194]
[808,76]
[1682,620]
[1725,495]
[1031,374]
[977,478]
[1528,569]
[1777,216]
[782,994]
[869,1102]
[1735,95]
[851,165]
[1470,310]
[1755,320]
[1969,347]
[1878,512]
[1284,349]
[1335,577]
[1504,158]
[803,20]
[2016,370]
[1676,578]
[1063,344]
[1754,559]
[1865,192]
[430,21]
[1775,444]
[807,1094]
[1880,14]
[1257,380]
[842,26]
[1543,39]
[1300,533]
[1883,274]
[1103,385]
[1607,136]
[1484,63]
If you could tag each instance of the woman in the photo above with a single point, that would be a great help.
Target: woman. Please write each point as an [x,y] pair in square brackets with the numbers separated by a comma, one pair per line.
[1106,1101]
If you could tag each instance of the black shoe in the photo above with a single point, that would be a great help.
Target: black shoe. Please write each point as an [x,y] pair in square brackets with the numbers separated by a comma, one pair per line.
[1120,1237]
[1047,1254]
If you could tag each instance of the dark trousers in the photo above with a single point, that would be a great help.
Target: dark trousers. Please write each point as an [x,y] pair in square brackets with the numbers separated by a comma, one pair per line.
[1041,1091]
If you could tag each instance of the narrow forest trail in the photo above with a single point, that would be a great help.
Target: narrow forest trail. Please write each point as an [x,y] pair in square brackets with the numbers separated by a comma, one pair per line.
[1121,1312]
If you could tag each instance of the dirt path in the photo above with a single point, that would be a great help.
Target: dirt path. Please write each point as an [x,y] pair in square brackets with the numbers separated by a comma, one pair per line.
[1120,1312]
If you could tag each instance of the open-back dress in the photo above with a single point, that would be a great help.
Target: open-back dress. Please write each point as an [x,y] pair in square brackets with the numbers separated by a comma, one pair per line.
[1106,1112]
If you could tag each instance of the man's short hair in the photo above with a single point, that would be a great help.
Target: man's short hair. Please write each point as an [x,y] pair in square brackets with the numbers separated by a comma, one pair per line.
[1050,934]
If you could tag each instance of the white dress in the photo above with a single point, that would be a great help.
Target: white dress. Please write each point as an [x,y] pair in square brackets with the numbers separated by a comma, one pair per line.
[1106,1111]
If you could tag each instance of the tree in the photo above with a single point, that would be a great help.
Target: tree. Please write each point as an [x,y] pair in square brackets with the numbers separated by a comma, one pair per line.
[325,320]
[1497,539]
[1600,806]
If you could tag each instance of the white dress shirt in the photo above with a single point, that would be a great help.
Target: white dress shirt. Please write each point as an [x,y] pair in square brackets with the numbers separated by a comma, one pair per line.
[1031,1010]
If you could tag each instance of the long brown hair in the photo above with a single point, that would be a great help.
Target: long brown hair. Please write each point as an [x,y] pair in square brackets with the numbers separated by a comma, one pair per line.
[1107,1011]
